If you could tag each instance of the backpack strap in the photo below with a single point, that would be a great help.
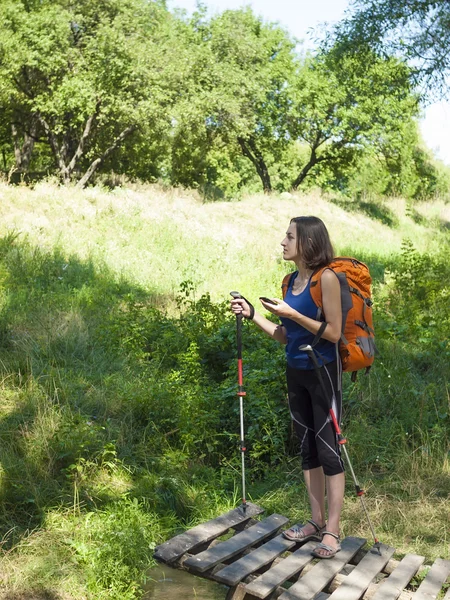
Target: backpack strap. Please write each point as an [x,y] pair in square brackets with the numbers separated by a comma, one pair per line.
[355,373]
[316,289]
[287,282]
[319,334]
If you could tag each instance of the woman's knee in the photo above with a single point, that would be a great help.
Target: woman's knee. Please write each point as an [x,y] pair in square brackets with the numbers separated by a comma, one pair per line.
[310,463]
[331,463]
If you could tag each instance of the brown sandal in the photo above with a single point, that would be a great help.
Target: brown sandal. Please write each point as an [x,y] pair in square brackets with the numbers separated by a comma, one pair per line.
[332,551]
[296,533]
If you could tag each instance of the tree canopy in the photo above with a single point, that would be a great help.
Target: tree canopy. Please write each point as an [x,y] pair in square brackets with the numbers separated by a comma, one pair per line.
[221,103]
[82,77]
[417,30]
[340,113]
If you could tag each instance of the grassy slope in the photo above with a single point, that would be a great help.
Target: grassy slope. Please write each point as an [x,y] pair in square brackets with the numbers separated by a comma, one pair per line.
[161,238]
[156,239]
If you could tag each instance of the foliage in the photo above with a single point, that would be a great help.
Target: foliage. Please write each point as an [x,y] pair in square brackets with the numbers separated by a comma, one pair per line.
[239,67]
[343,111]
[418,31]
[76,78]
[225,104]
[400,166]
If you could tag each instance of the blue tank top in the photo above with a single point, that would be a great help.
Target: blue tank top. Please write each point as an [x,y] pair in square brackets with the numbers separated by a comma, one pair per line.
[298,335]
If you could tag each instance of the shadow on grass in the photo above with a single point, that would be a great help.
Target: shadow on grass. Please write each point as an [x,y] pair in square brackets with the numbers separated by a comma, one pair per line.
[373,209]
[419,219]
[30,595]
[61,366]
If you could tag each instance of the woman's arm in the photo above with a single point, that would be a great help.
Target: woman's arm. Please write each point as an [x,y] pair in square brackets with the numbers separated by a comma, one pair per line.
[332,310]
[277,332]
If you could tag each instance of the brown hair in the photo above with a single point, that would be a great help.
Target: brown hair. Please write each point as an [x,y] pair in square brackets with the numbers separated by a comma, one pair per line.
[313,242]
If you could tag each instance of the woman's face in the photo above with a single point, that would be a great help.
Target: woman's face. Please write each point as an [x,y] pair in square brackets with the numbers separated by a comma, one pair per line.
[289,244]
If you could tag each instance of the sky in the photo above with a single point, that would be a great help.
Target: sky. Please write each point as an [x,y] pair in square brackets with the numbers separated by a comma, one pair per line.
[300,17]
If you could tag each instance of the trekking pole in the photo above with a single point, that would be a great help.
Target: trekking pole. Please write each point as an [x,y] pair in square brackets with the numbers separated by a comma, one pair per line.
[241,394]
[341,440]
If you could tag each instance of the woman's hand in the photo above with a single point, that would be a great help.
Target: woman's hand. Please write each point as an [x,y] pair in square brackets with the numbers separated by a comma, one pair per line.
[279,308]
[240,307]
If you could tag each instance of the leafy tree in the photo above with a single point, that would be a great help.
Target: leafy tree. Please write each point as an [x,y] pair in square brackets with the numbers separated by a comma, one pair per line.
[82,77]
[252,96]
[239,67]
[339,110]
[402,167]
[216,103]
[417,30]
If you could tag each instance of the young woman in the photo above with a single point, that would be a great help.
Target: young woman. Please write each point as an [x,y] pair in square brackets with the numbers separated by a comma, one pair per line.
[308,245]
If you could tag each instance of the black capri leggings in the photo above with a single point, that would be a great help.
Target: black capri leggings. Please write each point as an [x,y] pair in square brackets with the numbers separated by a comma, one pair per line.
[310,412]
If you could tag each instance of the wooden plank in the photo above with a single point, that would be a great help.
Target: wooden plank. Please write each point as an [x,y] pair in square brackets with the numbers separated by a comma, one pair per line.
[266,583]
[392,586]
[323,572]
[431,585]
[360,578]
[260,557]
[225,550]
[185,542]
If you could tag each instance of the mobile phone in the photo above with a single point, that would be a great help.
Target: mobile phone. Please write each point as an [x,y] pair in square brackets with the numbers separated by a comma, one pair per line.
[268,300]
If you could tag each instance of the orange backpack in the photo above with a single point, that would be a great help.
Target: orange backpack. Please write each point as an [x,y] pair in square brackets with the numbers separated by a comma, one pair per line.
[357,343]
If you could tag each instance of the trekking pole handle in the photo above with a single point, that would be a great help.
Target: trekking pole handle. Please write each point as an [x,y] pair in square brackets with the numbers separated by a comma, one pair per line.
[235,296]
[241,391]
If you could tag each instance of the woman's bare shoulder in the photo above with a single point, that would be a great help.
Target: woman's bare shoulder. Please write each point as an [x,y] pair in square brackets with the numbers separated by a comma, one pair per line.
[328,276]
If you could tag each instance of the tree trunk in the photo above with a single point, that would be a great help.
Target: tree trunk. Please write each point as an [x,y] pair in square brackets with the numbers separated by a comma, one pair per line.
[57,151]
[23,151]
[250,150]
[61,151]
[98,161]
[313,160]
[80,149]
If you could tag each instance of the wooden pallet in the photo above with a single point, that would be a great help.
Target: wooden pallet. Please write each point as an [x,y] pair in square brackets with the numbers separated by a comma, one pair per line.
[256,561]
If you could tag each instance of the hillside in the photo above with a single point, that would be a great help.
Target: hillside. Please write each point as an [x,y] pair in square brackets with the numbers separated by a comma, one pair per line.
[159,238]
[118,411]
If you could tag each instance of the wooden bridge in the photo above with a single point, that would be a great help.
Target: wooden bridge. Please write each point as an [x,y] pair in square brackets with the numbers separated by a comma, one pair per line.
[256,561]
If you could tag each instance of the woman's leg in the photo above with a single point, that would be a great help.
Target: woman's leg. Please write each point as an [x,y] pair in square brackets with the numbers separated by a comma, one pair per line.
[335,496]
[328,448]
[315,484]
[302,416]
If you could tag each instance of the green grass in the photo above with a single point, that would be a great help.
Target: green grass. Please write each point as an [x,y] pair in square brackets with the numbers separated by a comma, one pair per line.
[158,238]
[118,413]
